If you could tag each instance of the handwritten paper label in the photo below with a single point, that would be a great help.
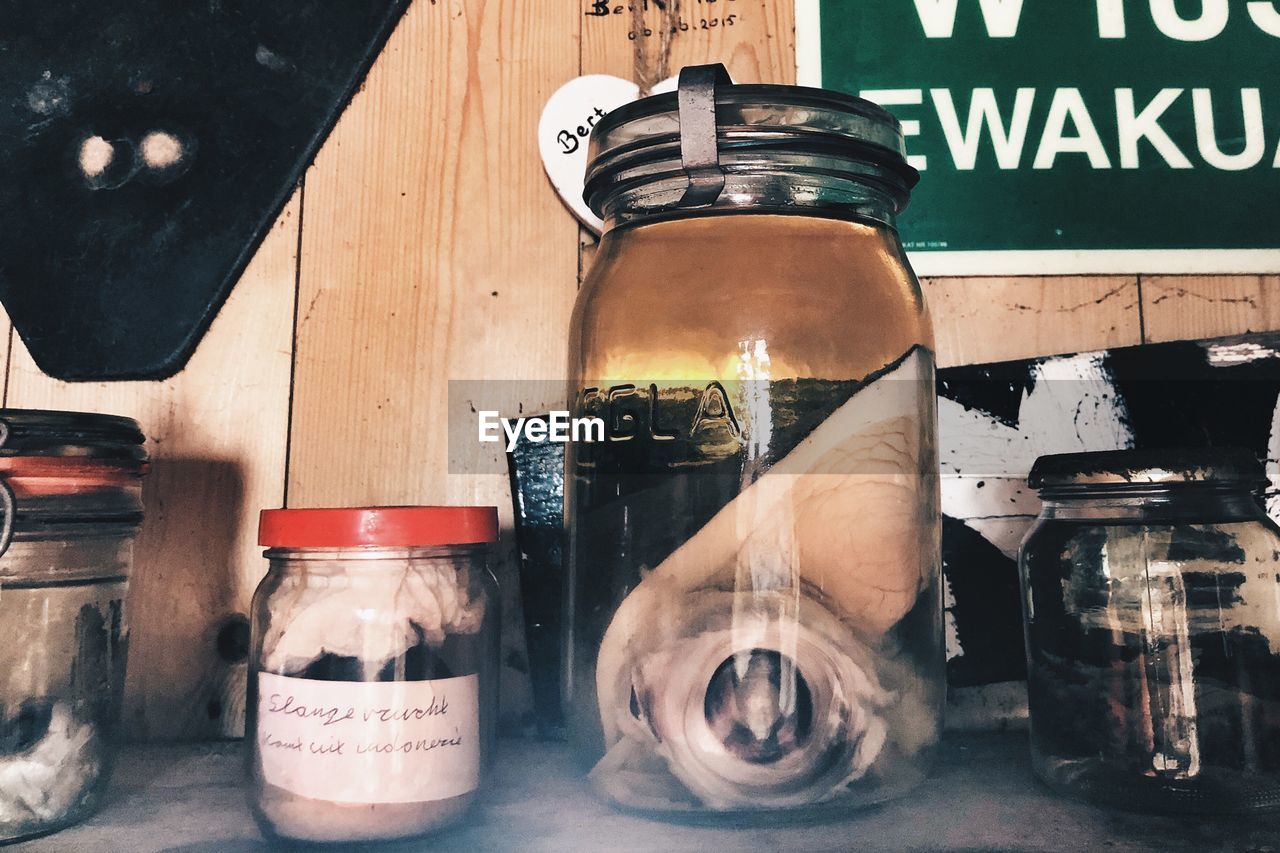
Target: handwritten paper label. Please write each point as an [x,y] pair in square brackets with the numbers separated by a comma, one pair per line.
[370,742]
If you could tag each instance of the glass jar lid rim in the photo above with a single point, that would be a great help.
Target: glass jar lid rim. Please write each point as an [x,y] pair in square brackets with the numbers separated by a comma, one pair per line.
[1168,466]
[45,434]
[385,526]
[858,139]
[762,95]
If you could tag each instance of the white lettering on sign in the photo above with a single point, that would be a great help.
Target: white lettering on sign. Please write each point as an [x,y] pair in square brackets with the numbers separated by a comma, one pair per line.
[1068,104]
[1178,95]
[984,112]
[1069,128]
[1255,143]
[1210,24]
[1111,19]
[938,17]
[370,742]
[1136,126]
[1266,15]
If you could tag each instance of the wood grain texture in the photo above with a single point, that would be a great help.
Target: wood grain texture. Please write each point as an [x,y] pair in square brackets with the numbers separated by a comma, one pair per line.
[216,434]
[1187,307]
[8,336]
[980,320]
[757,47]
[434,250]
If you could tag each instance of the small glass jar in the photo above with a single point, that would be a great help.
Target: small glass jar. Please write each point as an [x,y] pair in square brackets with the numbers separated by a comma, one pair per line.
[372,695]
[1151,584]
[753,613]
[71,489]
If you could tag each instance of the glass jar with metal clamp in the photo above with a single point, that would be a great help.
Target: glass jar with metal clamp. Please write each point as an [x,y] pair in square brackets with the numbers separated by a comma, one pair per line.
[71,489]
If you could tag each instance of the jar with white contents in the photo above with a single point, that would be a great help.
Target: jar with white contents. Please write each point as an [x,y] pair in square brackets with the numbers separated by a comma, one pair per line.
[70,506]
[373,680]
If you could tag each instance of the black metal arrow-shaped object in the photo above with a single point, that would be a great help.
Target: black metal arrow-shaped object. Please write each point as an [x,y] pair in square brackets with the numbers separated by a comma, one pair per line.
[146,148]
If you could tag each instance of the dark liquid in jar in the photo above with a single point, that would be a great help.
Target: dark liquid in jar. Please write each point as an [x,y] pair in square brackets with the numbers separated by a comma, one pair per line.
[1156,688]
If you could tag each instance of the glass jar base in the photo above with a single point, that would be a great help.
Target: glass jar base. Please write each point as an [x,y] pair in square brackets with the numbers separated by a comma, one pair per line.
[289,819]
[36,828]
[841,808]
[1215,791]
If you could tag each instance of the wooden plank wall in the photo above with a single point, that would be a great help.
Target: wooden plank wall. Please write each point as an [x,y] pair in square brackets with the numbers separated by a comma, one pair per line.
[425,245]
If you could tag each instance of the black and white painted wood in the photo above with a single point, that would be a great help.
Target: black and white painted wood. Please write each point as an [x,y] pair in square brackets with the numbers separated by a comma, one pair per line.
[994,421]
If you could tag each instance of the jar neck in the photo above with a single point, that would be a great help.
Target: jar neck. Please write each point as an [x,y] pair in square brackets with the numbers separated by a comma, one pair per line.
[1176,503]
[760,190]
[371,559]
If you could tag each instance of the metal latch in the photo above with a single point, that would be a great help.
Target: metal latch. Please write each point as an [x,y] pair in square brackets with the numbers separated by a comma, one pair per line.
[699,148]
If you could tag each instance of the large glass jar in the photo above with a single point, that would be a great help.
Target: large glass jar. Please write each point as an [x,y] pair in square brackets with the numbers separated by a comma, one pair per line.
[754,621]
[1151,586]
[373,691]
[71,489]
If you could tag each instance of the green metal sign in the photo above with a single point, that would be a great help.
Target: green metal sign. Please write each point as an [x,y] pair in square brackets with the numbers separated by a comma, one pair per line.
[1071,136]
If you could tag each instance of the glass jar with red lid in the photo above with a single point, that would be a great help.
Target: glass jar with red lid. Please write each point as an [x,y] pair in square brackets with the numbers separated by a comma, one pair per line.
[373,671]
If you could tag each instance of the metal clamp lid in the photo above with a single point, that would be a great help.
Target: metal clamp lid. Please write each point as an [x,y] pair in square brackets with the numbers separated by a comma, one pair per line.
[699,148]
[78,435]
[1223,467]
[67,465]
[717,144]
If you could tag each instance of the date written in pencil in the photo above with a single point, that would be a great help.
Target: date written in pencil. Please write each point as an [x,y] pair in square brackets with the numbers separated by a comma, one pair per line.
[683,26]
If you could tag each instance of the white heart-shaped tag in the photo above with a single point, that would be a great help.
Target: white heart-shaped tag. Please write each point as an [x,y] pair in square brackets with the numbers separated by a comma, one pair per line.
[566,124]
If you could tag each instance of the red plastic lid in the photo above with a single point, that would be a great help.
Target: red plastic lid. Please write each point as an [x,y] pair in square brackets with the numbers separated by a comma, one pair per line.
[389,526]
